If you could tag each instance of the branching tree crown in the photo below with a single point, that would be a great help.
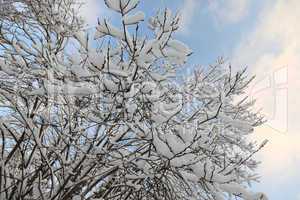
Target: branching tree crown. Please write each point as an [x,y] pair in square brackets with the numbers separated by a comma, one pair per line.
[113,122]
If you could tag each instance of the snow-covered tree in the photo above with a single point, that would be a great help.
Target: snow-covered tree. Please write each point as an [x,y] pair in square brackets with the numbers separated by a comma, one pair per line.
[85,123]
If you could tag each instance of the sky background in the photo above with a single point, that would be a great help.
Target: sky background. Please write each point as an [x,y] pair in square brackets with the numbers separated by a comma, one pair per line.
[265,37]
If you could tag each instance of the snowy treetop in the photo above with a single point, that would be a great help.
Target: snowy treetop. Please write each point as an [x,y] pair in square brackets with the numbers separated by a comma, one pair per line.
[113,122]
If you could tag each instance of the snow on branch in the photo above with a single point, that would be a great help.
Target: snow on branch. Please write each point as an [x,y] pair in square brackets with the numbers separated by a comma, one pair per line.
[103,117]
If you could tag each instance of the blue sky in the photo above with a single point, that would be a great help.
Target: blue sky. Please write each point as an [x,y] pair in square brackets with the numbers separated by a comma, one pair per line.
[265,36]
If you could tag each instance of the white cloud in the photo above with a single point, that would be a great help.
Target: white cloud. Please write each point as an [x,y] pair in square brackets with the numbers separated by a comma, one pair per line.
[275,39]
[223,12]
[229,11]
[187,15]
[281,156]
[275,43]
